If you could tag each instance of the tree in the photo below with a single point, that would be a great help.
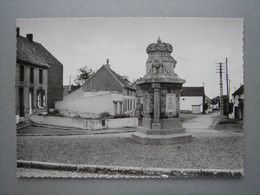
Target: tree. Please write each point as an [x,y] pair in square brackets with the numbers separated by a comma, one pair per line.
[83,75]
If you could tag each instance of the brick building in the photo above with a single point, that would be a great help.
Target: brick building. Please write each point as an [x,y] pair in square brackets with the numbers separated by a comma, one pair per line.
[39,77]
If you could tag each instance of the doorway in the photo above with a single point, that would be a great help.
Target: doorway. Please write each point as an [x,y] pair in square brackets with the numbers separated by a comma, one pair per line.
[21,101]
[31,101]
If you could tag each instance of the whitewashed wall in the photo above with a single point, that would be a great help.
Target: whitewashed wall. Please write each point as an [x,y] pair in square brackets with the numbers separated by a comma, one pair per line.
[121,123]
[236,103]
[92,104]
[186,102]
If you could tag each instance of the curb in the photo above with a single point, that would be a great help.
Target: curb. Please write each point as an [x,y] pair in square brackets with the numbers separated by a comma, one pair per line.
[162,172]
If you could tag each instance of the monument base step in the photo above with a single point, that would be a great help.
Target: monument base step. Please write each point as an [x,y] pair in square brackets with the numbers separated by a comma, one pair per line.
[161,139]
[161,131]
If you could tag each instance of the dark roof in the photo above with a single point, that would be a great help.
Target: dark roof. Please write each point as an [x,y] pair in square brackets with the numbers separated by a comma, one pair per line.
[192,91]
[123,81]
[33,53]
[67,87]
[240,91]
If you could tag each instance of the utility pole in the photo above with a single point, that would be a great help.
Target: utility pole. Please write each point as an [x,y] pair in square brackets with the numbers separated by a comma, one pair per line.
[70,85]
[220,71]
[227,88]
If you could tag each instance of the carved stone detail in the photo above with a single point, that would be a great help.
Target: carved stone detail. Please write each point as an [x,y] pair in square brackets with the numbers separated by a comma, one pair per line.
[160,60]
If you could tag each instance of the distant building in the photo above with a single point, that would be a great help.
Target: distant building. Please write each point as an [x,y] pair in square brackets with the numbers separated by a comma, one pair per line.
[105,91]
[238,101]
[67,89]
[193,100]
[39,77]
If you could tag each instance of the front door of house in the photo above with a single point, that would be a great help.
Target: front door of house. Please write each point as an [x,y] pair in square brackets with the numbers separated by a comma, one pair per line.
[30,101]
[21,102]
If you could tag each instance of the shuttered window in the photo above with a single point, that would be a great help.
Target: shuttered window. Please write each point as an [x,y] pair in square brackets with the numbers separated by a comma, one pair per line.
[40,75]
[41,99]
[31,74]
[21,73]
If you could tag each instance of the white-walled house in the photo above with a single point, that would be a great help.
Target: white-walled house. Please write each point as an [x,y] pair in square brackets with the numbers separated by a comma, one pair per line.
[105,91]
[192,100]
[238,101]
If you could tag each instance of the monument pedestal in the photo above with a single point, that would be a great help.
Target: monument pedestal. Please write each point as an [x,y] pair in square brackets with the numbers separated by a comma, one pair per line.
[168,131]
[160,89]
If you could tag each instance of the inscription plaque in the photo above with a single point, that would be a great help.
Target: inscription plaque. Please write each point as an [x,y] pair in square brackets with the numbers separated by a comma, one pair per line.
[170,102]
[146,103]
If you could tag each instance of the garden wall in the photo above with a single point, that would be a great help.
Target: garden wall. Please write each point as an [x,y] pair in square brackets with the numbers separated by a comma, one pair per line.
[88,124]
[66,122]
[121,123]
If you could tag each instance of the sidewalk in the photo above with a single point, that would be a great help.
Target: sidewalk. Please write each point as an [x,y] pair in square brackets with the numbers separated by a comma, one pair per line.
[56,170]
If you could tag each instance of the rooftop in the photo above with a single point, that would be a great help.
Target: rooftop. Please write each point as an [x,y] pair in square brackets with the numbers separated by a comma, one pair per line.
[33,53]
[192,91]
[240,91]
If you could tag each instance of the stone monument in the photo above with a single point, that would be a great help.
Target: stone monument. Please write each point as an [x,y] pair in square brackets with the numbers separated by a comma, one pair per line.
[160,88]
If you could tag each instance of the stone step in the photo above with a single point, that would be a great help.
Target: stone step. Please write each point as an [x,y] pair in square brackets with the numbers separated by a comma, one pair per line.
[161,131]
[161,139]
[23,124]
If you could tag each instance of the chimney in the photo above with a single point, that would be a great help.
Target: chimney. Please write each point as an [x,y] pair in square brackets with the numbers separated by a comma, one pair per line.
[108,63]
[29,37]
[17,31]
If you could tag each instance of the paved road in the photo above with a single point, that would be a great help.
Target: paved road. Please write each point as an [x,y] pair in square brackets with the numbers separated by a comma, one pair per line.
[201,122]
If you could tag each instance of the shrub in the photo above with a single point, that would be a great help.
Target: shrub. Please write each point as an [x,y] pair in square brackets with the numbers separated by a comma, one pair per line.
[121,116]
[104,115]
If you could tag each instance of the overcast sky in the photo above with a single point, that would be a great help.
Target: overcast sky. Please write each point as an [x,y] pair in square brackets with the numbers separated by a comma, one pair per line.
[198,44]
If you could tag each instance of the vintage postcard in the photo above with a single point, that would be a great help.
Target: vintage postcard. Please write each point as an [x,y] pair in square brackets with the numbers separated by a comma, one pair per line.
[129,97]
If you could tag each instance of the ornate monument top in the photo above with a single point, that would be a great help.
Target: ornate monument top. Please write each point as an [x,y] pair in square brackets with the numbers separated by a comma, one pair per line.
[160,64]
[159,47]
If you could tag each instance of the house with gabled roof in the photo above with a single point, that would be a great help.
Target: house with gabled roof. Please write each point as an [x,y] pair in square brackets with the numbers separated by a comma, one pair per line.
[105,91]
[39,77]
[238,102]
[193,100]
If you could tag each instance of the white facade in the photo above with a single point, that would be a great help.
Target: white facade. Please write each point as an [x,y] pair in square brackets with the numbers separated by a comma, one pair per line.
[187,103]
[97,102]
[236,105]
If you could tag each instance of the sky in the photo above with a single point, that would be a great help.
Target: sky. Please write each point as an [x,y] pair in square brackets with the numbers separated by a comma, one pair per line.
[198,45]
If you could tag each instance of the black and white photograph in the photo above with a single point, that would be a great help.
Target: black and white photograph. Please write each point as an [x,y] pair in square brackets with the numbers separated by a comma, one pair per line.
[129,97]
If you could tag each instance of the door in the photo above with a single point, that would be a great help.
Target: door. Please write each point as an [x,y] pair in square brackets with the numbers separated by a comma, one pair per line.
[21,102]
[237,113]
[196,109]
[30,101]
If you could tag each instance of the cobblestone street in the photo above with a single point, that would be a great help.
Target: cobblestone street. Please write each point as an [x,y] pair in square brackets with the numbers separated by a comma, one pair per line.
[209,150]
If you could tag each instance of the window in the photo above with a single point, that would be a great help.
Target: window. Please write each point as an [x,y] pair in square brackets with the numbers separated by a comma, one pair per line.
[21,72]
[31,74]
[40,75]
[40,98]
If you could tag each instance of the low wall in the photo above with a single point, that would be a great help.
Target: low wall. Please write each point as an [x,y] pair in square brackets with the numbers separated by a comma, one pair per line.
[121,123]
[84,123]
[66,122]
